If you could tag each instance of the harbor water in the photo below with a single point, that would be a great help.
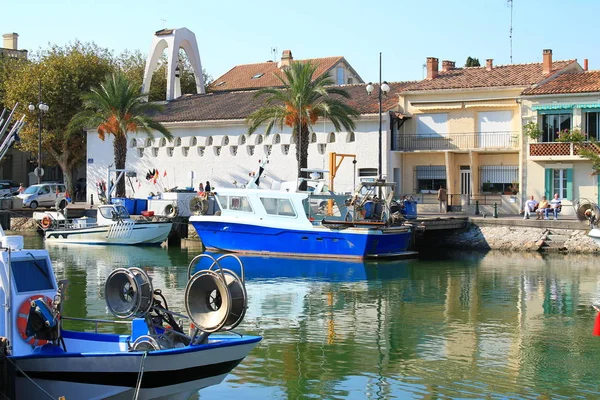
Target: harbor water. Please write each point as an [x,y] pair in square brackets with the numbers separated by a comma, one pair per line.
[446,325]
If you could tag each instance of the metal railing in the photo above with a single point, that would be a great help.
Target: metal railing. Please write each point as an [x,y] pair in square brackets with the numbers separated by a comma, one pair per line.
[456,199]
[462,141]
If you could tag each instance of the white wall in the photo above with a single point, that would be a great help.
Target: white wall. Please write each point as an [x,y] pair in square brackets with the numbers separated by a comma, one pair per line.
[222,170]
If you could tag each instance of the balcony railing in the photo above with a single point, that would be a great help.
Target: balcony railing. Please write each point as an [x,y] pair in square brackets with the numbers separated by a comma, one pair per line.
[553,149]
[457,141]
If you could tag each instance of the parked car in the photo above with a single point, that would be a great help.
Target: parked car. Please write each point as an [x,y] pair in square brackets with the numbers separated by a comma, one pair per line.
[7,185]
[47,194]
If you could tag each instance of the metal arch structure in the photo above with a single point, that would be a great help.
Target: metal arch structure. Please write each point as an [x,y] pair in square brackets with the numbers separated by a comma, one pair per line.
[173,39]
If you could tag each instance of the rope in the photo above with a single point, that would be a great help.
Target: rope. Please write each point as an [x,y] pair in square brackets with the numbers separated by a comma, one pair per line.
[27,376]
[140,375]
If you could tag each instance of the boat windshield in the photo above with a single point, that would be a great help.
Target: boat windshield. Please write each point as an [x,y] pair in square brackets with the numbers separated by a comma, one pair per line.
[119,211]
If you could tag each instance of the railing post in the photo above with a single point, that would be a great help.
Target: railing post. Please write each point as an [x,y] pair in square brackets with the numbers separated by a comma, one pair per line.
[495,210]
[476,207]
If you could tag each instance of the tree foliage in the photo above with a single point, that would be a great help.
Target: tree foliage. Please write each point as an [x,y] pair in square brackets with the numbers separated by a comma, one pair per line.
[472,62]
[62,73]
[299,104]
[116,108]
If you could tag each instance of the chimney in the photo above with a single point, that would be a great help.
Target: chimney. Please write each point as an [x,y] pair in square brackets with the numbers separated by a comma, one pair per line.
[585,64]
[547,64]
[489,64]
[447,65]
[286,59]
[432,67]
[10,41]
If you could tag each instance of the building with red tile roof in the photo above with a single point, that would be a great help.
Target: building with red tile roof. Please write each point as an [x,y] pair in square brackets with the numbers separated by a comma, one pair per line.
[263,75]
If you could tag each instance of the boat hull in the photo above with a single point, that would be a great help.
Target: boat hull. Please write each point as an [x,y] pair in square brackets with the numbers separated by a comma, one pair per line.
[320,241]
[166,373]
[595,235]
[151,233]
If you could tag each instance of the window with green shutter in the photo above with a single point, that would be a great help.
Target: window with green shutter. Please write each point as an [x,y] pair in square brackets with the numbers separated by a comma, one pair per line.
[559,181]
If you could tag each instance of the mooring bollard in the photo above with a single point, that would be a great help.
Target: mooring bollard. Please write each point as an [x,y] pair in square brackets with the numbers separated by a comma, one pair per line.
[476,207]
[495,210]
[91,199]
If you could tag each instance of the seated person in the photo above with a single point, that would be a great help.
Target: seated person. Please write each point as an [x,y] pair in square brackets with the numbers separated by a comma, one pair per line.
[541,210]
[530,206]
[555,207]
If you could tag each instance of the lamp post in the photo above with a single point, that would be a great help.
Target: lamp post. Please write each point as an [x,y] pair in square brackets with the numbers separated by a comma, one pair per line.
[383,89]
[42,109]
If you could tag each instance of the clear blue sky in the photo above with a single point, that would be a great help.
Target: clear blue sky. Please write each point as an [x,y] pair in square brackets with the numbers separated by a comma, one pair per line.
[243,32]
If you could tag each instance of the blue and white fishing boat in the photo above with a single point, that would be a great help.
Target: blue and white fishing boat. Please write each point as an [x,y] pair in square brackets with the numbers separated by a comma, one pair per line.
[157,359]
[305,224]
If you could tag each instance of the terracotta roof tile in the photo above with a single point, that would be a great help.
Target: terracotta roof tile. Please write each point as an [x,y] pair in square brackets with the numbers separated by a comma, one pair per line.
[240,77]
[238,105]
[500,75]
[579,82]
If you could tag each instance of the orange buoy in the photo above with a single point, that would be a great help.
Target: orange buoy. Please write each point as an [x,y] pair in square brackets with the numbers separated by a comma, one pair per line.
[46,222]
[23,316]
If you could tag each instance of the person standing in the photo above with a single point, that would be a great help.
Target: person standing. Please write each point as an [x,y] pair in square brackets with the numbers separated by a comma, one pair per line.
[530,206]
[443,199]
[201,187]
[207,187]
[21,188]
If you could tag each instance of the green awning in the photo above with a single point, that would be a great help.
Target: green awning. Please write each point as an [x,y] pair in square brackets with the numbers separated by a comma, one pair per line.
[554,106]
[588,105]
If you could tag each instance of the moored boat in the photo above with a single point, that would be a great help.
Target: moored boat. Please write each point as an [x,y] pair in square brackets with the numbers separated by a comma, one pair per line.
[156,360]
[112,225]
[303,224]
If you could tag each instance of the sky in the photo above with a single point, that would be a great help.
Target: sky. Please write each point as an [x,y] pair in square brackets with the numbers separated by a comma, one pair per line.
[239,32]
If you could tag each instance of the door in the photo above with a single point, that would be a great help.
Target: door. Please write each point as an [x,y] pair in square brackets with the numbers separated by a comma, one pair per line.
[44,196]
[495,129]
[465,180]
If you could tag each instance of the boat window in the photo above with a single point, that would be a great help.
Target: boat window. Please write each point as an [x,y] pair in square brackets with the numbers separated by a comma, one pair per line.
[122,211]
[31,275]
[276,206]
[239,203]
[222,200]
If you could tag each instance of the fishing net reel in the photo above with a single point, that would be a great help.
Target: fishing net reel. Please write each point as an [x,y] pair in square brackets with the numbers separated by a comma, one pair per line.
[587,211]
[216,298]
[129,292]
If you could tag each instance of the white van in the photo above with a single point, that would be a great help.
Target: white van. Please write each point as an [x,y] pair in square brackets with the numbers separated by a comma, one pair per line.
[48,194]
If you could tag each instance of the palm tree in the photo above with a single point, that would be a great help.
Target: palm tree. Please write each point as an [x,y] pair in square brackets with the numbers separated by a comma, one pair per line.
[116,108]
[299,104]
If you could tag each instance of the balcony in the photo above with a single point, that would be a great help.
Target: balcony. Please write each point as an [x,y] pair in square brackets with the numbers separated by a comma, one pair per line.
[560,149]
[457,141]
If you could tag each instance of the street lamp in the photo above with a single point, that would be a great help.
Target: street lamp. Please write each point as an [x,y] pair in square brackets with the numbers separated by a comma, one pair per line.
[383,89]
[42,109]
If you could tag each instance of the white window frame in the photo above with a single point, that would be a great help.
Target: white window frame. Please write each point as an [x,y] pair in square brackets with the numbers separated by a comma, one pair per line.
[561,188]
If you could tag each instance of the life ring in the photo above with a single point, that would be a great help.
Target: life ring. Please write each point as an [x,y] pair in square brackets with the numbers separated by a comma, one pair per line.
[170,211]
[46,222]
[23,316]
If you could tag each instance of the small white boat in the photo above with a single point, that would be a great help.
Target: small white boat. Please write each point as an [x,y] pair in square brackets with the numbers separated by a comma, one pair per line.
[112,225]
[156,360]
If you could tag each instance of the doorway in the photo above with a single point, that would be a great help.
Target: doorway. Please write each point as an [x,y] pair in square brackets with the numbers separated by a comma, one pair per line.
[465,180]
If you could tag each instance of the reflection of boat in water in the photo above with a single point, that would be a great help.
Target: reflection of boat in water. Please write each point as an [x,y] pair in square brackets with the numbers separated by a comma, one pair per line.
[329,270]
[112,225]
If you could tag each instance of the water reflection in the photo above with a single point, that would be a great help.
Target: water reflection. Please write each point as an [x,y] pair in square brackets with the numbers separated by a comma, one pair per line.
[468,325]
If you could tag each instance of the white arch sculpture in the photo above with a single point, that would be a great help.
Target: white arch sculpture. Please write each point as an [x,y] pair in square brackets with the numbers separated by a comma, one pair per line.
[174,39]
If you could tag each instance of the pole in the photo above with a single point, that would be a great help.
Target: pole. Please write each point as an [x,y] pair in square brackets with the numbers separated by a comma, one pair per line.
[39,175]
[380,169]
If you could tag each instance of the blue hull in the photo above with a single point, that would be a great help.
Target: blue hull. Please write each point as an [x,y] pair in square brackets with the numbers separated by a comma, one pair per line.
[246,238]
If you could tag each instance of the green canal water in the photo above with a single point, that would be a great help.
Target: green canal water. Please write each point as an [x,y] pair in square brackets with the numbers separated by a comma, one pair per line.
[448,325]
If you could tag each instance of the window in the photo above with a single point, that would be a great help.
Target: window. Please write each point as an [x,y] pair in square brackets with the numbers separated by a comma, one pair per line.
[233,150]
[155,152]
[250,150]
[256,76]
[430,177]
[559,180]
[194,141]
[259,139]
[209,141]
[498,178]
[592,124]
[277,139]
[217,150]
[243,139]
[133,143]
[432,124]
[285,149]
[331,137]
[350,81]
[239,203]
[268,149]
[163,142]
[31,275]
[340,76]
[177,141]
[225,140]
[322,148]
[313,138]
[275,206]
[350,138]
[140,153]
[554,123]
[201,151]
[185,151]
[170,151]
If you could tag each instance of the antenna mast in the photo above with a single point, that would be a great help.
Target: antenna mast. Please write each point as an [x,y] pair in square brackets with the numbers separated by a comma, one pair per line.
[274,51]
[510,4]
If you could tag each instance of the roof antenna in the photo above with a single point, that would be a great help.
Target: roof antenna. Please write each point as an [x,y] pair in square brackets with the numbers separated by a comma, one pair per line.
[510,4]
[274,51]
[164,21]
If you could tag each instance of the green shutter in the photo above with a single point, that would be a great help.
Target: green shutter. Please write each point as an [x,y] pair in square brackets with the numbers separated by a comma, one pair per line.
[569,183]
[598,180]
[548,184]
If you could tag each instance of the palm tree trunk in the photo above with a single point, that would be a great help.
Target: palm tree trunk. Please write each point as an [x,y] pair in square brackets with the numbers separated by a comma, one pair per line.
[120,148]
[302,153]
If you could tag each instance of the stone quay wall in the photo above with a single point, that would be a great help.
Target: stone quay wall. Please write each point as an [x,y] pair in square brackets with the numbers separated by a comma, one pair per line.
[504,235]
